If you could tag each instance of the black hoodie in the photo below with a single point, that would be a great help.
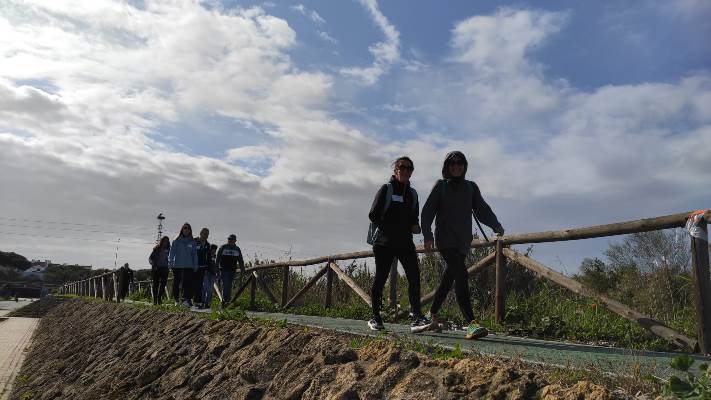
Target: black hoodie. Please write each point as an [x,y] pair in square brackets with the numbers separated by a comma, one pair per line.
[452,201]
[395,226]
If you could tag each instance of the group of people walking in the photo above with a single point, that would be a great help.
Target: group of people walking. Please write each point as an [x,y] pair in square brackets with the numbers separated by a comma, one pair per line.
[394,218]
[196,266]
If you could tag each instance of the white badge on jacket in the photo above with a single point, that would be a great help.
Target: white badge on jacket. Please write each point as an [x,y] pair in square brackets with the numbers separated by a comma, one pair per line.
[398,198]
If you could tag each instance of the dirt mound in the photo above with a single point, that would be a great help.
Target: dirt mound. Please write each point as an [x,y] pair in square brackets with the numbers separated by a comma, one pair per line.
[87,350]
[37,309]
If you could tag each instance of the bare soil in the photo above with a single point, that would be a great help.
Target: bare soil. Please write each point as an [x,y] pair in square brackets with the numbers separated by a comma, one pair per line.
[91,350]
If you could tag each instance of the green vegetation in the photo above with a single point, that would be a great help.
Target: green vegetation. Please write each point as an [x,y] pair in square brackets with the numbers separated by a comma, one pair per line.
[689,387]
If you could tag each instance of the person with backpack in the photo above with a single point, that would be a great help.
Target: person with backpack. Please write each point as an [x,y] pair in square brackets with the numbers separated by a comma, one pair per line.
[211,276]
[453,200]
[182,259]
[228,257]
[394,217]
[203,255]
[159,269]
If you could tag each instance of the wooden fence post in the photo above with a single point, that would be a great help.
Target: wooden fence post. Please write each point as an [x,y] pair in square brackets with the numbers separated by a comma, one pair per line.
[284,286]
[702,285]
[253,294]
[329,287]
[115,288]
[103,288]
[393,285]
[500,283]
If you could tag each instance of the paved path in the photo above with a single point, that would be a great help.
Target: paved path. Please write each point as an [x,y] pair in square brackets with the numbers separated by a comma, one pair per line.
[614,360]
[15,336]
[7,306]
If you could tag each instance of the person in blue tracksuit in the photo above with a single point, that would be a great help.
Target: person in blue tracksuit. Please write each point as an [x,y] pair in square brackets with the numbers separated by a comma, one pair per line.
[184,263]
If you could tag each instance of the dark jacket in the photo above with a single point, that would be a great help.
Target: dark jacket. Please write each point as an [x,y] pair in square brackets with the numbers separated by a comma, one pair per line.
[395,226]
[452,201]
[228,257]
[203,253]
[159,257]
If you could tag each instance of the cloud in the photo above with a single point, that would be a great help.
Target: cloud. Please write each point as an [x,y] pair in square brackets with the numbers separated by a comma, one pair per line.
[325,36]
[385,53]
[104,91]
[309,13]
[498,44]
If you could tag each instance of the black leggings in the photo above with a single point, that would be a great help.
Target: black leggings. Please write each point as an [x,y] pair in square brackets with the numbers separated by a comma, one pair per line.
[456,271]
[384,257]
[197,284]
[183,277]
[160,278]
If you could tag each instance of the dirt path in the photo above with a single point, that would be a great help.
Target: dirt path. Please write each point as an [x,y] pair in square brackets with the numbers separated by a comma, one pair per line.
[89,350]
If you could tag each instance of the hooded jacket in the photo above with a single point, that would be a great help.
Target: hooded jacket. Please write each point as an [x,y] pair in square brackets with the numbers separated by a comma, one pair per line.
[183,253]
[395,226]
[452,201]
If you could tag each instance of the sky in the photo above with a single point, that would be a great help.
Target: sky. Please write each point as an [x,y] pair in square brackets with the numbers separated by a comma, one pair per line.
[278,121]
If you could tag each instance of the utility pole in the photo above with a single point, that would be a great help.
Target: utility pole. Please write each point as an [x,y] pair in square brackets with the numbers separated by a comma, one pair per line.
[160,218]
[116,254]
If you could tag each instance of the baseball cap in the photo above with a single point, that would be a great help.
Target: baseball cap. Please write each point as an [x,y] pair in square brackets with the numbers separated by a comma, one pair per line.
[232,236]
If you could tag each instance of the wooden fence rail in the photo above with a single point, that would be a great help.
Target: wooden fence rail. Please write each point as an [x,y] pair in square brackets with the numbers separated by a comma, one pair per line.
[107,288]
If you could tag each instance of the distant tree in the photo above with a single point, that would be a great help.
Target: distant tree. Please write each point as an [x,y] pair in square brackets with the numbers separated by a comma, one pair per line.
[595,274]
[14,260]
[650,271]
[66,273]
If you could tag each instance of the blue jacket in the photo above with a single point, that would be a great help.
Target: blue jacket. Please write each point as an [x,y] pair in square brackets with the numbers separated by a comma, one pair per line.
[183,253]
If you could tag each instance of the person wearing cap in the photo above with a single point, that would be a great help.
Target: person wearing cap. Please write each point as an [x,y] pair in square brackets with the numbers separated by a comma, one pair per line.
[452,201]
[228,257]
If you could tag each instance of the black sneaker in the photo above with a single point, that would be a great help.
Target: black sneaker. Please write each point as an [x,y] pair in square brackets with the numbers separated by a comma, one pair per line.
[420,324]
[376,324]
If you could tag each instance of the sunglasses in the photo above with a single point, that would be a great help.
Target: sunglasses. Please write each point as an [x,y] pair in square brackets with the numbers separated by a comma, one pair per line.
[406,168]
[186,227]
[456,162]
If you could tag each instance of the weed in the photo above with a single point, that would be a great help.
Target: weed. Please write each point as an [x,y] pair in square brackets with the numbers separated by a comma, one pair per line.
[692,386]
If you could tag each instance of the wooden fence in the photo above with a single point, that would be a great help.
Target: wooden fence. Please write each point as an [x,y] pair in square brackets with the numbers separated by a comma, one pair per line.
[105,285]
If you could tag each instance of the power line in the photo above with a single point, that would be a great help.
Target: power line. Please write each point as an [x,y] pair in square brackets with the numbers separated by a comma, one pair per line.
[66,229]
[71,238]
[126,226]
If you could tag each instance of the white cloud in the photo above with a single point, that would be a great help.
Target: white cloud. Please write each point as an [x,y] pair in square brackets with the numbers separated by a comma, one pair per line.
[385,53]
[250,153]
[309,13]
[325,36]
[498,44]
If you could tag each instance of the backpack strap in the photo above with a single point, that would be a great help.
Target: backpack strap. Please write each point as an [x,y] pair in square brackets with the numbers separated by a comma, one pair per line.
[414,199]
[388,200]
